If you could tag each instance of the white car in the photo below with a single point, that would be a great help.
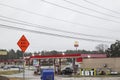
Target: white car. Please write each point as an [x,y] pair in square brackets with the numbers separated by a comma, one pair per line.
[114,72]
[6,67]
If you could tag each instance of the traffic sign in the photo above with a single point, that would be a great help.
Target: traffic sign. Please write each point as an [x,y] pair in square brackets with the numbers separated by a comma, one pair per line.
[23,43]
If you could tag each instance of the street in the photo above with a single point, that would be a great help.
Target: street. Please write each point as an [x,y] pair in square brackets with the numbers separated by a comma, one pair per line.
[30,76]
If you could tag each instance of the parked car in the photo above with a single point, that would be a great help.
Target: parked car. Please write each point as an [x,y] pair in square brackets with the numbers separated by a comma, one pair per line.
[37,71]
[2,67]
[6,67]
[114,73]
[13,66]
[67,71]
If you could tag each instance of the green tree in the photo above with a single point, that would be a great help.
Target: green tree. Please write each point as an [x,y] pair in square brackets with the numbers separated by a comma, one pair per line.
[19,54]
[53,52]
[11,54]
[114,50]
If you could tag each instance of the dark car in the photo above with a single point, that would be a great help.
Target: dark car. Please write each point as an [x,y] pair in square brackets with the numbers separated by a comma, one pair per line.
[67,71]
[37,71]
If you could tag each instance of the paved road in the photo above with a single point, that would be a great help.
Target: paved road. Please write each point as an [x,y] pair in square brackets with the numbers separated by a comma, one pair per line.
[91,78]
[30,76]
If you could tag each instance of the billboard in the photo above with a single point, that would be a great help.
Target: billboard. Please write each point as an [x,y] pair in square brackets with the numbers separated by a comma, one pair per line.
[3,52]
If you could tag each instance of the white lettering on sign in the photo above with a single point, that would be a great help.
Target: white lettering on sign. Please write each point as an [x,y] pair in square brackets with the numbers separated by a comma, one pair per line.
[87,72]
[92,73]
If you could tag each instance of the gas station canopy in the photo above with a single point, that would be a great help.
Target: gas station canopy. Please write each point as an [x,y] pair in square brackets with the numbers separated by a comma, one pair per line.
[56,56]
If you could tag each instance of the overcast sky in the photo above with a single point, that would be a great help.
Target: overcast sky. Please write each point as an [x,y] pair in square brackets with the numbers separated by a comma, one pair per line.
[98,18]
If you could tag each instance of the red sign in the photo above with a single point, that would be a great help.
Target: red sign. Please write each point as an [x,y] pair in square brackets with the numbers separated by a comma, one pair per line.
[79,59]
[23,43]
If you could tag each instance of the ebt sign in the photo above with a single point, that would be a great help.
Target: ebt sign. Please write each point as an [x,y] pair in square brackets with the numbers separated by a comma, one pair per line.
[87,72]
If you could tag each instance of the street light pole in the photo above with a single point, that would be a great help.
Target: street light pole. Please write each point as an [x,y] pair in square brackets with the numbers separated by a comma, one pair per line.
[76,46]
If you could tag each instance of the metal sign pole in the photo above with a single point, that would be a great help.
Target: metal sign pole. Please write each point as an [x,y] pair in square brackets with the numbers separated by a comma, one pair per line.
[23,67]
[23,44]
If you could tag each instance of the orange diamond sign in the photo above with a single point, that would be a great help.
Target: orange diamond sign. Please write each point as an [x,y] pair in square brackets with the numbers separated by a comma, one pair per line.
[23,43]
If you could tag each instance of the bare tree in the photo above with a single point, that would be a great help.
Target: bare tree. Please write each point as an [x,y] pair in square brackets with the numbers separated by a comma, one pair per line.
[101,48]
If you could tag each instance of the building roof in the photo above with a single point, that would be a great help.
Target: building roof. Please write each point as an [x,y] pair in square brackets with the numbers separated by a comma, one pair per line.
[93,55]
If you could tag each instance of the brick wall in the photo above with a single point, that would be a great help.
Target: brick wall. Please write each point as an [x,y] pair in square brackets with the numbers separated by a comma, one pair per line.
[112,63]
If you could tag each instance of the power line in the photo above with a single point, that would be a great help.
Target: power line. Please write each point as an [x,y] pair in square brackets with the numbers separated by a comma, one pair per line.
[79,11]
[90,9]
[101,7]
[52,34]
[30,12]
[47,28]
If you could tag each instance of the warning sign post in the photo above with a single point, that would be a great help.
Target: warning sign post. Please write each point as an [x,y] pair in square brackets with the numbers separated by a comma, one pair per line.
[23,44]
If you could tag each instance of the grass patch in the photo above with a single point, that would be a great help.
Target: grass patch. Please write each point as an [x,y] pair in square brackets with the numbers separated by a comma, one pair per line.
[15,78]
[9,72]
